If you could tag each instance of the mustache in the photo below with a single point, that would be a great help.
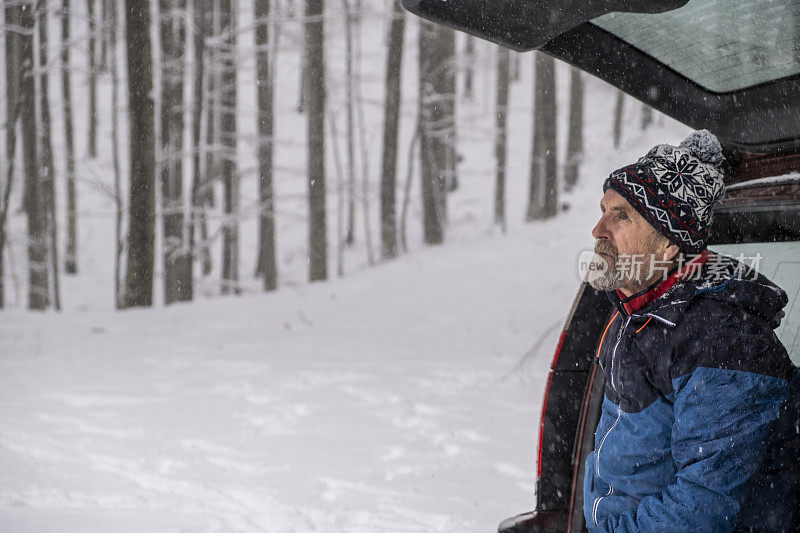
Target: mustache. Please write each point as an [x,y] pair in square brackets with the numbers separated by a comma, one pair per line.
[606,248]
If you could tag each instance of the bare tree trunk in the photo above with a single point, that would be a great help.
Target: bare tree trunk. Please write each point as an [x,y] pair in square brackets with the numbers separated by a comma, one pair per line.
[6,196]
[301,97]
[35,204]
[230,170]
[407,188]
[618,108]
[267,260]
[500,144]
[351,170]
[448,104]
[337,161]
[516,66]
[575,138]
[205,251]
[469,66]
[46,164]
[92,140]
[394,68]
[105,16]
[177,262]
[647,116]
[141,217]
[315,101]
[12,112]
[543,198]
[211,173]
[202,13]
[436,97]
[71,252]
[362,142]
[432,213]
[119,301]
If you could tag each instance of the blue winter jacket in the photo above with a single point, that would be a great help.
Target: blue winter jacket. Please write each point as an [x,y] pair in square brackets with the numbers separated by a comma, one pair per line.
[698,430]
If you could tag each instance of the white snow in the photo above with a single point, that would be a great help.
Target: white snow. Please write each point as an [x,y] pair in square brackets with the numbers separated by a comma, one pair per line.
[378,403]
[381,402]
[784,179]
[400,398]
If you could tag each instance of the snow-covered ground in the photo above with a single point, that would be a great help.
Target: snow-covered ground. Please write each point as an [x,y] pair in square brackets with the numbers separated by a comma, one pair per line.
[388,401]
[383,403]
[399,398]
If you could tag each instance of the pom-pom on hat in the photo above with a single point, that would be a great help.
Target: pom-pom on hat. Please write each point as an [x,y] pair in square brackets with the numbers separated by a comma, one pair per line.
[675,188]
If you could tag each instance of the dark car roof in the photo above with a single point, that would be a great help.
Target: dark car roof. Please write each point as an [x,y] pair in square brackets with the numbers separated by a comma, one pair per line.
[730,66]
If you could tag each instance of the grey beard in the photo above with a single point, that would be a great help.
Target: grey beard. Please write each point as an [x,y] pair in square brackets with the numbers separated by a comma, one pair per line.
[609,281]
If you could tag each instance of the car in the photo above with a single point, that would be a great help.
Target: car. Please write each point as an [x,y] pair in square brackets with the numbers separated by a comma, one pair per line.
[731,67]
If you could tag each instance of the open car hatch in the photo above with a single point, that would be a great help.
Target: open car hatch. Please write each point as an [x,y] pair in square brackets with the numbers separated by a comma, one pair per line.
[730,66]
[524,25]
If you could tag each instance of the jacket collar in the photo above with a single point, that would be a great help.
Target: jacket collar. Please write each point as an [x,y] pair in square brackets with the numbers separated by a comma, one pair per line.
[709,275]
[635,302]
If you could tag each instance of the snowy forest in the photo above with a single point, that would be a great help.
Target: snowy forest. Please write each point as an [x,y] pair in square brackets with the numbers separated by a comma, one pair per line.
[199,120]
[285,265]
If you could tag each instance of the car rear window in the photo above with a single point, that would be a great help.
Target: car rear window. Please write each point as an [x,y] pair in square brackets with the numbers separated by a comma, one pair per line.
[722,45]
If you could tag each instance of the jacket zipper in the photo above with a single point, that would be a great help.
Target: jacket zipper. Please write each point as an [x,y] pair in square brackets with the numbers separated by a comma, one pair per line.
[597,466]
[619,415]
[660,319]
[664,320]
[614,352]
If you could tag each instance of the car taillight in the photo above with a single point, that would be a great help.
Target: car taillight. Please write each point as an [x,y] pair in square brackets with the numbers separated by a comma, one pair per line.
[544,404]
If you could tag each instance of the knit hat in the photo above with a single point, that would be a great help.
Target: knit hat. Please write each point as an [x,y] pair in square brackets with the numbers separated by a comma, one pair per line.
[675,188]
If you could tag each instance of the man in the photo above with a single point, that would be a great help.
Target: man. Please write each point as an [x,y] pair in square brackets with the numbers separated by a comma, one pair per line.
[697,431]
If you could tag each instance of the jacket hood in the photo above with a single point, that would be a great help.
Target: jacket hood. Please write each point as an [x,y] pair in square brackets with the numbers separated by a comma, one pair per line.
[759,296]
[721,278]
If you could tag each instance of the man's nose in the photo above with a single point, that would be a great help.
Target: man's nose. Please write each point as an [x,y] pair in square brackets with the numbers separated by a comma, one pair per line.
[600,231]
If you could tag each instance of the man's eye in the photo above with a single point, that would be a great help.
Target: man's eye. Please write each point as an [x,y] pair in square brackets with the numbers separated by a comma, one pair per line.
[623,216]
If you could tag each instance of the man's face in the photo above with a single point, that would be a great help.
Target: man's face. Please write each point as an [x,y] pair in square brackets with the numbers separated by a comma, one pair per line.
[623,234]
